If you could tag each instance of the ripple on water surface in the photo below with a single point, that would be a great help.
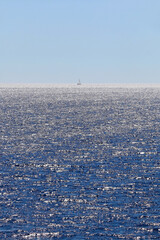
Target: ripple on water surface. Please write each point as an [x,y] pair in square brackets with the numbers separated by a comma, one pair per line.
[79,163]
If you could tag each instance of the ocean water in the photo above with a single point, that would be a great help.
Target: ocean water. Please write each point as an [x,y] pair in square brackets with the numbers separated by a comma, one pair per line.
[79,163]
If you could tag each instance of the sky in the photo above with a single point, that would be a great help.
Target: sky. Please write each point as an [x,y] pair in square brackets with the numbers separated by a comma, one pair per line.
[97,41]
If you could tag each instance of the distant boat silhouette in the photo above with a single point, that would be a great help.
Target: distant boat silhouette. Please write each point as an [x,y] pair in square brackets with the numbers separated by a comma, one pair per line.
[79,82]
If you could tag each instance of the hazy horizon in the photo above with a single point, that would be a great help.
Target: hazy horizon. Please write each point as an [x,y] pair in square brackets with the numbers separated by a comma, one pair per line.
[83,86]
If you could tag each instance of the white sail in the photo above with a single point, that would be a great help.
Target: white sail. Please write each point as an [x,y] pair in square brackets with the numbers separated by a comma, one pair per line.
[79,82]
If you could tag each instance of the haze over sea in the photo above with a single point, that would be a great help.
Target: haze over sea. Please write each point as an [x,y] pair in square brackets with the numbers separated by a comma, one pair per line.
[79,162]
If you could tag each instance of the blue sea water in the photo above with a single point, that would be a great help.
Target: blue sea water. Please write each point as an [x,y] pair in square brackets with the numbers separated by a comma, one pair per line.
[79,163]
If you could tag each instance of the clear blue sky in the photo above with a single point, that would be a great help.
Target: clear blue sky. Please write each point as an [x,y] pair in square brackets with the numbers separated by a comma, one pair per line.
[98,41]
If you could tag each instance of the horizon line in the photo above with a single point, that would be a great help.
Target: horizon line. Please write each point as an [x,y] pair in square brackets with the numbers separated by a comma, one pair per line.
[66,85]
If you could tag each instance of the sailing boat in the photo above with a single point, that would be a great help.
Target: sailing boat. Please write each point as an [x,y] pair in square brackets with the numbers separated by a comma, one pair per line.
[79,82]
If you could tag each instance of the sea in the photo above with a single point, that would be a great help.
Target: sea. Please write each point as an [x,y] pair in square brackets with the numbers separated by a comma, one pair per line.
[79,162]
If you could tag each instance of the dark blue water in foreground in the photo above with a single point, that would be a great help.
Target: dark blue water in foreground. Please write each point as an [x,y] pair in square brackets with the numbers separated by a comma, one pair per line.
[80,163]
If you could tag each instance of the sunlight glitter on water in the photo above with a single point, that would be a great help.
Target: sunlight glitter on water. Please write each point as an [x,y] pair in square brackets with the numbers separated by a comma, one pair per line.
[79,163]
